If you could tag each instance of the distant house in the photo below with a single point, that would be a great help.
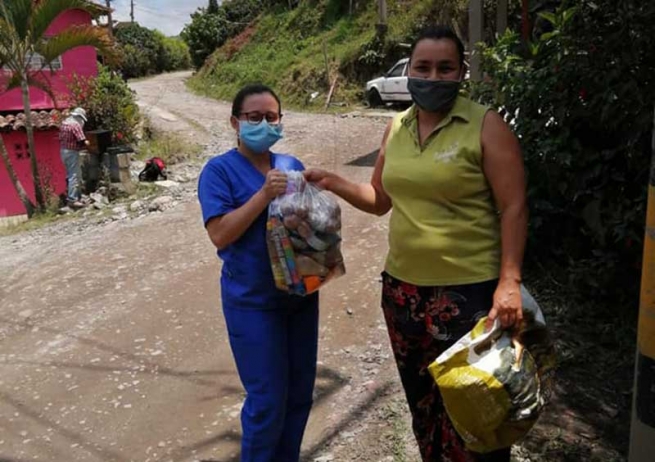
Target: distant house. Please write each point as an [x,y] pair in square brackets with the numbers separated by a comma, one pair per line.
[47,116]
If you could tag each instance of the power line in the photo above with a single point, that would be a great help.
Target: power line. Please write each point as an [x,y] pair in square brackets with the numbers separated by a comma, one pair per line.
[157,13]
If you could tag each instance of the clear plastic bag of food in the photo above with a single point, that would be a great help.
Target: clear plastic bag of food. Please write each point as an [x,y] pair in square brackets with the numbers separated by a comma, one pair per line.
[495,384]
[303,234]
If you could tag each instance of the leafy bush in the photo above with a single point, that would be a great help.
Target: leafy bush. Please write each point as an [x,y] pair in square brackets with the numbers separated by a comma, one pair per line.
[109,103]
[580,99]
[147,52]
[177,54]
[211,27]
[204,34]
[148,46]
[135,62]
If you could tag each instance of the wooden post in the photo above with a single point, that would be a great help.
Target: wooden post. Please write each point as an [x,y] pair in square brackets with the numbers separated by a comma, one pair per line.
[642,430]
[525,20]
[501,16]
[476,35]
[327,63]
[331,93]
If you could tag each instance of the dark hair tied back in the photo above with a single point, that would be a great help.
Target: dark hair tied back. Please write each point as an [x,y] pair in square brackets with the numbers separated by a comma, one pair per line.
[248,90]
[438,32]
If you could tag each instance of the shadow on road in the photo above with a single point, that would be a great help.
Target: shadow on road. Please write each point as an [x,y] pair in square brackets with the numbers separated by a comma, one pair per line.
[367,160]
[145,365]
[92,448]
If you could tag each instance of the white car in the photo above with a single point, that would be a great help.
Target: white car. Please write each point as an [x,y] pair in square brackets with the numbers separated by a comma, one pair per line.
[392,87]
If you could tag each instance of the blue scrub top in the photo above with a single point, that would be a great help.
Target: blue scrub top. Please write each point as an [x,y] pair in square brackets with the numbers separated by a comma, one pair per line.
[226,183]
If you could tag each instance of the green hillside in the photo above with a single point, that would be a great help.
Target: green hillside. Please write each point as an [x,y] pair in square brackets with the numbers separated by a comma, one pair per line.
[301,51]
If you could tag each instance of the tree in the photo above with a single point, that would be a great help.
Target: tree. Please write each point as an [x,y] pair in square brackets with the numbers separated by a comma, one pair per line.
[204,34]
[150,50]
[209,31]
[213,7]
[26,53]
[579,96]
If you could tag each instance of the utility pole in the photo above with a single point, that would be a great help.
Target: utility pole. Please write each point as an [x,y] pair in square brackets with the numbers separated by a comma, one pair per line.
[476,35]
[382,17]
[132,10]
[642,430]
[110,21]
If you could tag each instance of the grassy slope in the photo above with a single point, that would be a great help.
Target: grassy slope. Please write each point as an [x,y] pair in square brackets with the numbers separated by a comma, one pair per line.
[284,49]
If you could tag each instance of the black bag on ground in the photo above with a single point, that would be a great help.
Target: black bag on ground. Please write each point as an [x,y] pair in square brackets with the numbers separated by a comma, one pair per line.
[155,167]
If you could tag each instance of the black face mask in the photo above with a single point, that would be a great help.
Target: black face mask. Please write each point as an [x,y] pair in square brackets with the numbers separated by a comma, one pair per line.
[433,95]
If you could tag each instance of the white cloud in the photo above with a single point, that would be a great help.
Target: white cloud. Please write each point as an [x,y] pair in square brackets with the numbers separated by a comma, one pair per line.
[168,16]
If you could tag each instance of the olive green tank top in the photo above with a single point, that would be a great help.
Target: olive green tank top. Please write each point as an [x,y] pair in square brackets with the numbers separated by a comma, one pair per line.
[444,227]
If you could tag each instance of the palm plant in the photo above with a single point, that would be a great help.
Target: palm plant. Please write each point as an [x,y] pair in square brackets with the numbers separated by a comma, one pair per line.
[26,54]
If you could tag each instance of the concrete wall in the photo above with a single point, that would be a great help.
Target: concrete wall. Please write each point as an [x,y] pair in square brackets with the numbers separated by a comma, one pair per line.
[53,172]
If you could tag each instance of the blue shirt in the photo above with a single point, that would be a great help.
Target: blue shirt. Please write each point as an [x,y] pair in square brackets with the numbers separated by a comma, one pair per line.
[226,183]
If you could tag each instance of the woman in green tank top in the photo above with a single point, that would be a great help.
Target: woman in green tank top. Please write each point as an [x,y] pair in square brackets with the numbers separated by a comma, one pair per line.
[452,173]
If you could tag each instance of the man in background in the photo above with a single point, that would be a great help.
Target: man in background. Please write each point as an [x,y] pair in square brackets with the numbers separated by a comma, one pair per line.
[71,141]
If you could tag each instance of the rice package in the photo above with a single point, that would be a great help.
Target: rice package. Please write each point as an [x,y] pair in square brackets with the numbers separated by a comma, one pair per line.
[304,237]
[495,384]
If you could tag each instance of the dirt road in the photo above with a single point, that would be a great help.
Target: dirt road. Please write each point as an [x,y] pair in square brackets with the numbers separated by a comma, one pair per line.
[112,342]
[113,346]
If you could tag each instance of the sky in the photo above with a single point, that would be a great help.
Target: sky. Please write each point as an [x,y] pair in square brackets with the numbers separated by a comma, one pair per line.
[168,16]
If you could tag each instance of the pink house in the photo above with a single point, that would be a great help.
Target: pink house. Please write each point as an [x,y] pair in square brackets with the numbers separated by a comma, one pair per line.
[47,116]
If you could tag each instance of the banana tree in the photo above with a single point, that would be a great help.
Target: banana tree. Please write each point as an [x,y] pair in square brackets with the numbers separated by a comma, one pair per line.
[26,54]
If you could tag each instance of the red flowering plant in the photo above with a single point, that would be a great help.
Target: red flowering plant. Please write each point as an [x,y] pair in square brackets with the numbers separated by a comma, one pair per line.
[109,103]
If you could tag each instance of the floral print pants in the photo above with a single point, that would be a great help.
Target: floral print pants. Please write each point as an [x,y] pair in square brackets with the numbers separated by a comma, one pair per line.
[422,323]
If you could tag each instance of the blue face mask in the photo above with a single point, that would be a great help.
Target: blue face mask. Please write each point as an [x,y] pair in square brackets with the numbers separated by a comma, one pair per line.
[259,138]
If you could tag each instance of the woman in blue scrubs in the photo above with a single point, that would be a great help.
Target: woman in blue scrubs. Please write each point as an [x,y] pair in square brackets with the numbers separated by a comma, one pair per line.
[273,335]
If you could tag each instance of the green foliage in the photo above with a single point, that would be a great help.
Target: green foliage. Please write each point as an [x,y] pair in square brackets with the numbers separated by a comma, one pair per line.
[176,54]
[210,28]
[580,99]
[147,52]
[142,50]
[204,34]
[286,49]
[170,147]
[109,103]
[213,7]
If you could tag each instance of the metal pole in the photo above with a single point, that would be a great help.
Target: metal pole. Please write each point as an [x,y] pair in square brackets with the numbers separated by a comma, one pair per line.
[642,430]
[476,35]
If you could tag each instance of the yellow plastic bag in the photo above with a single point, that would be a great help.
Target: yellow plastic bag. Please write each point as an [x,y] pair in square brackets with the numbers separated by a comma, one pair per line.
[494,385]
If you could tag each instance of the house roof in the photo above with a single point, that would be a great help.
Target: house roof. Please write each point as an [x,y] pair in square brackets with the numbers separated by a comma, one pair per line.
[101,7]
[41,120]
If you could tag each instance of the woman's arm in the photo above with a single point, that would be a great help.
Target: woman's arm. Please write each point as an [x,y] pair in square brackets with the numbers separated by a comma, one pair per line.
[227,229]
[368,197]
[503,167]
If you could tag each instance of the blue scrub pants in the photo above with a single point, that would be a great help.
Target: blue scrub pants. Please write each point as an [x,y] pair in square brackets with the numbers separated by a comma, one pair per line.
[275,353]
